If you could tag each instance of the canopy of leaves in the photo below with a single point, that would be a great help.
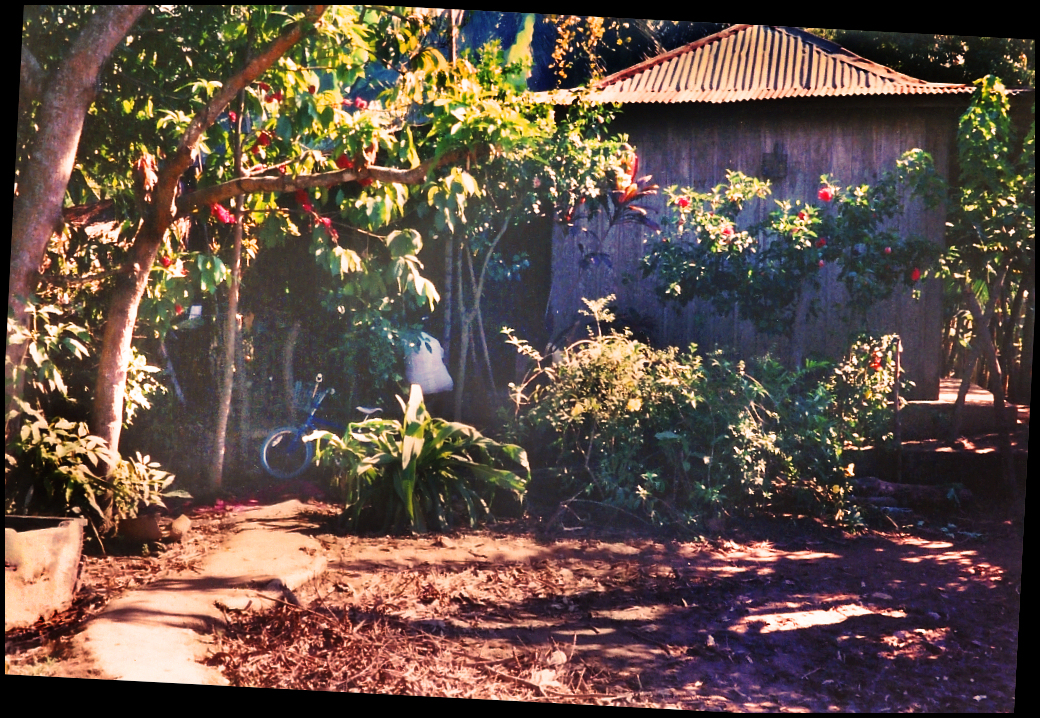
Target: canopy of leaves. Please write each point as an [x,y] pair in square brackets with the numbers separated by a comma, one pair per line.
[943,58]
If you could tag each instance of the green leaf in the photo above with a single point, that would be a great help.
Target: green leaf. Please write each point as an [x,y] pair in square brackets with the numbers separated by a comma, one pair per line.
[403,243]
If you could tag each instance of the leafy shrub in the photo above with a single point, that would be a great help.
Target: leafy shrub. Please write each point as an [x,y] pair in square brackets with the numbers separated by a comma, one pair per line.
[678,438]
[863,385]
[53,470]
[416,472]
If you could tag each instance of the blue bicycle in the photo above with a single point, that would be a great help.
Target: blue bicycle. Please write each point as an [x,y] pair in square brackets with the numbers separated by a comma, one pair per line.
[285,453]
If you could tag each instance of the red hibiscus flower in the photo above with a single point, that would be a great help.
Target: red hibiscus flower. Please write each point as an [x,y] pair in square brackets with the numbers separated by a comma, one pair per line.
[233,117]
[360,104]
[683,202]
[821,242]
[888,250]
[344,163]
[166,261]
[915,275]
[826,194]
[304,199]
[326,222]
[348,102]
[264,139]
[366,181]
[312,89]
[727,231]
[178,309]
[222,215]
[264,86]
[822,263]
[802,215]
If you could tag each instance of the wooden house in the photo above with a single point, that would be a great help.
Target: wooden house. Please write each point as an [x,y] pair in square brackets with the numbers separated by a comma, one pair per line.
[780,104]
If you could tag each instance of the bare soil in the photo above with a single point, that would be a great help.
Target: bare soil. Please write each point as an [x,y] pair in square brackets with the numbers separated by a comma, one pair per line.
[771,615]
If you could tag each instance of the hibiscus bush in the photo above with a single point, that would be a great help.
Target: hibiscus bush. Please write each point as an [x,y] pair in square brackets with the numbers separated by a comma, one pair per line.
[863,385]
[702,253]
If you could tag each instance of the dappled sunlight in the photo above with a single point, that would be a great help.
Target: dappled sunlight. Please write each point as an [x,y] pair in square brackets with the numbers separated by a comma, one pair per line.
[753,561]
[962,557]
[794,620]
[922,543]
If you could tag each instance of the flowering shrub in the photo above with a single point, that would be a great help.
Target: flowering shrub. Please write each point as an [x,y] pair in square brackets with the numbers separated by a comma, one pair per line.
[863,385]
[763,270]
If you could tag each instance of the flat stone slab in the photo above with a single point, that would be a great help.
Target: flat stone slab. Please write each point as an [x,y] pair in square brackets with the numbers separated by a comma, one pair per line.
[159,633]
[41,567]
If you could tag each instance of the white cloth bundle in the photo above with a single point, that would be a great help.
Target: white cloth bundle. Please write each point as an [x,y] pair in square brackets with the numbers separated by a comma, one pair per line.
[424,366]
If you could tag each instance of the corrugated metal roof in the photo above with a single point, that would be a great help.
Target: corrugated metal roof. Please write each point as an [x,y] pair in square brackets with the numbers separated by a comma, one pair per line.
[757,62]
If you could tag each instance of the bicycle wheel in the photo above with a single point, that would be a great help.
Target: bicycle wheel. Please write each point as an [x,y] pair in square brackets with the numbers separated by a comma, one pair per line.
[285,455]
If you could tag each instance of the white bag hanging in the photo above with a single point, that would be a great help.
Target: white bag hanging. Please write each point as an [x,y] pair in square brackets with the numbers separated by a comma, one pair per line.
[424,366]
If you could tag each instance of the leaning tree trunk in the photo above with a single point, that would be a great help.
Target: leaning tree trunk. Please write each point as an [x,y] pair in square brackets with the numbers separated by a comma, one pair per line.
[159,207]
[65,96]
[116,348]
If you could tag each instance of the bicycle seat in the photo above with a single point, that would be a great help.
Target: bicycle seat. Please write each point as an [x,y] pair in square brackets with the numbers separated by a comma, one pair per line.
[369,410]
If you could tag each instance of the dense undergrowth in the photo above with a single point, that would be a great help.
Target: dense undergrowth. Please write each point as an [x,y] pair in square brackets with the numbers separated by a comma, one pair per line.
[679,438]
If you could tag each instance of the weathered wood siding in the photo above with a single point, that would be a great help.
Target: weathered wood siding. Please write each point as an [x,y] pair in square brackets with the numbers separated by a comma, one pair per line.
[853,140]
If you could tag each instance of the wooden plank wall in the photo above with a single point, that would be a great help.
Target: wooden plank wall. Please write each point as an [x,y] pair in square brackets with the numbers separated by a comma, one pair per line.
[852,140]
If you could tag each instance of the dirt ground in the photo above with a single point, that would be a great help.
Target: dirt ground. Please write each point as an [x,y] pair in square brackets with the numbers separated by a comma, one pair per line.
[772,615]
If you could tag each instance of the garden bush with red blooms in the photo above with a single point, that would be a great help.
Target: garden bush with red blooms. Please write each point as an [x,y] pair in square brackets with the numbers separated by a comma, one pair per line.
[765,269]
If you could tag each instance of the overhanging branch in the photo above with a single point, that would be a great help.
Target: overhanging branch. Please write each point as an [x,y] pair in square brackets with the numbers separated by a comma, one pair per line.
[248,185]
[182,158]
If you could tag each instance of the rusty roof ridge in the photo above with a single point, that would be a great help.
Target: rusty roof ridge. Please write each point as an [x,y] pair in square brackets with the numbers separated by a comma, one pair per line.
[827,47]
[664,57]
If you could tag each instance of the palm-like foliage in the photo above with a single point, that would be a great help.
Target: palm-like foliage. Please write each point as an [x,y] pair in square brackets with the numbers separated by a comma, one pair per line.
[419,470]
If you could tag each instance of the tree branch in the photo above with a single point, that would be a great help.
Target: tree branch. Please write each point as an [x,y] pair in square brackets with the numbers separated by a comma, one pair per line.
[247,185]
[56,281]
[184,155]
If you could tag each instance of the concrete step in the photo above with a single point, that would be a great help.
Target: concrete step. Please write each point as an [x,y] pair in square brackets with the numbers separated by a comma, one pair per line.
[977,470]
[933,419]
[928,458]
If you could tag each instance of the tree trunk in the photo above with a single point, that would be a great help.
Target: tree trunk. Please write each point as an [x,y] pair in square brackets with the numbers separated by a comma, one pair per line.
[463,356]
[989,350]
[1022,391]
[449,302]
[40,188]
[106,420]
[227,380]
[288,387]
[962,392]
